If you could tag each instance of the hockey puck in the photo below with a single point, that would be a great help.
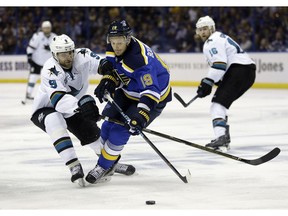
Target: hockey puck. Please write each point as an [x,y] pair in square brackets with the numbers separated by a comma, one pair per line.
[150,202]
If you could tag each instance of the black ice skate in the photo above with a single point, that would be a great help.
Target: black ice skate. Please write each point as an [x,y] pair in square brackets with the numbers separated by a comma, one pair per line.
[222,142]
[124,169]
[219,143]
[98,174]
[27,98]
[77,175]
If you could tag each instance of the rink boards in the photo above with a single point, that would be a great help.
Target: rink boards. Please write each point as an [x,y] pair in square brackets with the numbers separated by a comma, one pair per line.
[186,69]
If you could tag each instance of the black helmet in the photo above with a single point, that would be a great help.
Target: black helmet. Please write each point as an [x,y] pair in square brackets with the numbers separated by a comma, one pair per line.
[119,28]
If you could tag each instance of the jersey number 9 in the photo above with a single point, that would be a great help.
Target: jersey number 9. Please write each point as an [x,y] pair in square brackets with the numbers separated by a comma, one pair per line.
[53,83]
[146,80]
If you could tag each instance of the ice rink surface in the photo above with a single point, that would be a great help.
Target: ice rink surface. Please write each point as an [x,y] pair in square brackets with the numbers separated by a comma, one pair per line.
[32,176]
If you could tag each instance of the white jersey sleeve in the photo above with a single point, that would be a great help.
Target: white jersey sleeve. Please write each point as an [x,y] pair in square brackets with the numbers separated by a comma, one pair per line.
[33,43]
[86,60]
[221,51]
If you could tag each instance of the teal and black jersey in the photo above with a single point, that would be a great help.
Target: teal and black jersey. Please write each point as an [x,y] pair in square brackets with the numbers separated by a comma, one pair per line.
[145,77]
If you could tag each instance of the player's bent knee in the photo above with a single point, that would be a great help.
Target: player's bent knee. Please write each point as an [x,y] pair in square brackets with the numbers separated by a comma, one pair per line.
[85,130]
[38,117]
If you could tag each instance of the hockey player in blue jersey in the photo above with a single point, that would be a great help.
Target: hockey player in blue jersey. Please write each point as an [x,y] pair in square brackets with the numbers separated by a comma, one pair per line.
[139,82]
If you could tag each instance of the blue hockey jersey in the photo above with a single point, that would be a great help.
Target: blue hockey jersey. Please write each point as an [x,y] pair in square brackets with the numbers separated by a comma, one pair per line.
[145,77]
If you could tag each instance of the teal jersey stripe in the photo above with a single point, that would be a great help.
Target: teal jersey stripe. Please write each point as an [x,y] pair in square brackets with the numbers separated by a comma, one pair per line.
[55,97]
[63,144]
[220,65]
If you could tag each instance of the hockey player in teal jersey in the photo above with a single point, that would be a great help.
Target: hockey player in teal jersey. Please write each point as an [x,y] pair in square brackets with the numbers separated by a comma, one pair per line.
[139,81]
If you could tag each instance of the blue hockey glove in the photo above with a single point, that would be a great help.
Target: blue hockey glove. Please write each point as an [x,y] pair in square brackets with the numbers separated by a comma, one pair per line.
[138,121]
[205,87]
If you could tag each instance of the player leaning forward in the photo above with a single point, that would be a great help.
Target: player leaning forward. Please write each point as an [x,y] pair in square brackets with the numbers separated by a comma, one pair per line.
[231,69]
[61,103]
[143,90]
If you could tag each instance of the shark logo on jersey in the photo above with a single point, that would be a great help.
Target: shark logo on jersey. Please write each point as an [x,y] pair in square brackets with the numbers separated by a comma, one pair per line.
[54,71]
[47,47]
[83,51]
[74,91]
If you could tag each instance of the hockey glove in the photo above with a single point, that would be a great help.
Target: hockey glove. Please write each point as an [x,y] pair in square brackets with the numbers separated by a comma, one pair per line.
[205,87]
[88,108]
[105,67]
[30,61]
[107,83]
[138,121]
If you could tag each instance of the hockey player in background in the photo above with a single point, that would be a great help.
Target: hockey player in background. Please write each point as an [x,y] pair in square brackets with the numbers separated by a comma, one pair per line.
[61,103]
[231,69]
[38,52]
[139,82]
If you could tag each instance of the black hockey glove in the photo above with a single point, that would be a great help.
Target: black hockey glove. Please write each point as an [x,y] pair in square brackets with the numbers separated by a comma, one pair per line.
[109,83]
[105,67]
[88,108]
[138,121]
[205,87]
[30,61]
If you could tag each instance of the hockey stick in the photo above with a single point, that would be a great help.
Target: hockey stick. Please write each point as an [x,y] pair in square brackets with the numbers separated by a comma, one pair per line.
[265,158]
[186,178]
[177,96]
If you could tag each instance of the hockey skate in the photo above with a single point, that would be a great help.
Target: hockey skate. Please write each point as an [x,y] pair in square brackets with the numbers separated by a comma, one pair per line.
[124,169]
[77,175]
[221,143]
[27,98]
[98,175]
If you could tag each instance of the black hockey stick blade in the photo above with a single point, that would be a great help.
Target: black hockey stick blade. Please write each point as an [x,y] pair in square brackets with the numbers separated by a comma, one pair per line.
[269,156]
[177,96]
[265,158]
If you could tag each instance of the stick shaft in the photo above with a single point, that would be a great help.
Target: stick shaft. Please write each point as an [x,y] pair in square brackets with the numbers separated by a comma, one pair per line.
[183,178]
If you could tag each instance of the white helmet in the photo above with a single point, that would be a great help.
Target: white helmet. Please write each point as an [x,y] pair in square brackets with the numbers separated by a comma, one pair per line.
[61,43]
[205,21]
[46,24]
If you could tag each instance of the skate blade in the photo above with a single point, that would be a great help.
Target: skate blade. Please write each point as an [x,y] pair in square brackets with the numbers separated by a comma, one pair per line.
[27,101]
[81,182]
[223,149]
[104,179]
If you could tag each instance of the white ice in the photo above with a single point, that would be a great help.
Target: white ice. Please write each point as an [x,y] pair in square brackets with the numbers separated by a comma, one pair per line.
[32,176]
